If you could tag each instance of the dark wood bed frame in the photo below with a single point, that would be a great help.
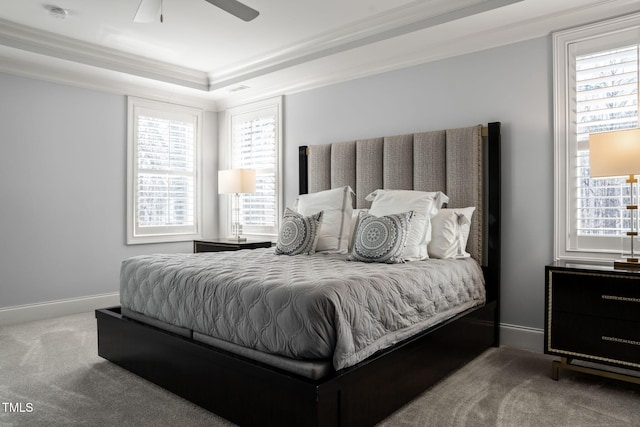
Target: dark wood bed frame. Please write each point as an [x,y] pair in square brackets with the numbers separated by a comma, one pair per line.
[250,393]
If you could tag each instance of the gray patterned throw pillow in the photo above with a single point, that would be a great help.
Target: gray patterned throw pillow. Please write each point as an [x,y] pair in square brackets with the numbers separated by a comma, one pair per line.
[298,233]
[380,239]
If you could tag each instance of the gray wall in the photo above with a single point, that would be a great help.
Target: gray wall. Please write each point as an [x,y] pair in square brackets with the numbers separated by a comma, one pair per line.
[63,166]
[63,191]
[510,84]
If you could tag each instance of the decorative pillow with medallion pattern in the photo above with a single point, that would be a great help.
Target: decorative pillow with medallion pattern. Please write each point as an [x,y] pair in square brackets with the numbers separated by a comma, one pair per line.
[380,239]
[298,233]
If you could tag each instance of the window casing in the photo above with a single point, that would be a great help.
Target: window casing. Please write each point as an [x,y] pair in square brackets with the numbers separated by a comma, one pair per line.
[595,90]
[255,142]
[163,172]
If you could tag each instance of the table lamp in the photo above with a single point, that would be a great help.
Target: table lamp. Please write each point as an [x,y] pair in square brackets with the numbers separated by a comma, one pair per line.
[236,182]
[618,154]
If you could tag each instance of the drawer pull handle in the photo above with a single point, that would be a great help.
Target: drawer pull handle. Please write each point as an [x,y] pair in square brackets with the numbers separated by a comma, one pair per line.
[620,340]
[617,298]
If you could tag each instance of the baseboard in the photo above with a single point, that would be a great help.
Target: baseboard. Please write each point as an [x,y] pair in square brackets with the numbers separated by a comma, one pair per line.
[522,337]
[49,309]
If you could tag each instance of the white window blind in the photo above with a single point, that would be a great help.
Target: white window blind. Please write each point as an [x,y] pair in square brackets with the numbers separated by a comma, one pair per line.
[255,144]
[163,172]
[606,100]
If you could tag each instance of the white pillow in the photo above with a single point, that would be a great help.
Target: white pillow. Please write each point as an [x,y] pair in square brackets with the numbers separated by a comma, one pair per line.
[334,232]
[424,205]
[450,233]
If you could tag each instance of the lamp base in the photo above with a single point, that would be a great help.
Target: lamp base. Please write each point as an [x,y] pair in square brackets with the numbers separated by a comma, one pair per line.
[244,239]
[627,264]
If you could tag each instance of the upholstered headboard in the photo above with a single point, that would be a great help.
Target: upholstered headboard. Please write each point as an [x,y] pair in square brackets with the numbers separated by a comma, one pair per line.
[446,160]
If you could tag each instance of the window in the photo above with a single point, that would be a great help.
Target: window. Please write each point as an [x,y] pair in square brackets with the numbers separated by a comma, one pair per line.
[596,90]
[255,143]
[163,172]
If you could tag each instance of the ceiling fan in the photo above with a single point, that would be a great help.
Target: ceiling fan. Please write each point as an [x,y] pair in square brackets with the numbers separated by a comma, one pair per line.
[151,10]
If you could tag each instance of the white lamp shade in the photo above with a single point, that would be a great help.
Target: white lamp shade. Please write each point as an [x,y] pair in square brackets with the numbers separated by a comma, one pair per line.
[237,181]
[614,153]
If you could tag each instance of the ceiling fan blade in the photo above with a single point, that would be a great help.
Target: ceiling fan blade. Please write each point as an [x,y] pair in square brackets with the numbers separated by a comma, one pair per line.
[148,11]
[236,8]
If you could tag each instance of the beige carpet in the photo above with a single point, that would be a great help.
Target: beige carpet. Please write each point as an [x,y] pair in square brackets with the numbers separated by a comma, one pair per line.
[50,375]
[507,387]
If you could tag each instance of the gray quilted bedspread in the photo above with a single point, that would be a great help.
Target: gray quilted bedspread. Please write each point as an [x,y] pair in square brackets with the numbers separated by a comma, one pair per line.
[304,307]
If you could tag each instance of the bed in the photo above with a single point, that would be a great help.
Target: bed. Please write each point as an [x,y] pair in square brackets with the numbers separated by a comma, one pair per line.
[251,381]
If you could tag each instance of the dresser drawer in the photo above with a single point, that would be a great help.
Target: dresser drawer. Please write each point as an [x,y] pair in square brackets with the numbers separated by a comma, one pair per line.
[595,294]
[588,337]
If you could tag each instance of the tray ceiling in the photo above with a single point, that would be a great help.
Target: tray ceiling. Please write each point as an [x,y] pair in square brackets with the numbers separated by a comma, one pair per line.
[202,52]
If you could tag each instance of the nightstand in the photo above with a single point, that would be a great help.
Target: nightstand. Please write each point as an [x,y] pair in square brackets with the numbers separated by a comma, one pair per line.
[218,245]
[592,314]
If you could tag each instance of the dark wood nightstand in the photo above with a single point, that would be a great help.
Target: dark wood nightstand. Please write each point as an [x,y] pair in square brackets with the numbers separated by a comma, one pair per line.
[218,245]
[592,313]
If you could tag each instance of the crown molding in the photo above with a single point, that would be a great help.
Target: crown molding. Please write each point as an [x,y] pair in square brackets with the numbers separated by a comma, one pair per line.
[401,20]
[398,22]
[424,49]
[414,18]
[26,64]
[370,47]
[45,43]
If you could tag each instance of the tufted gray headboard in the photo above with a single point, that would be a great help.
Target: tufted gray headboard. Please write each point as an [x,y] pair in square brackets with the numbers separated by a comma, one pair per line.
[449,160]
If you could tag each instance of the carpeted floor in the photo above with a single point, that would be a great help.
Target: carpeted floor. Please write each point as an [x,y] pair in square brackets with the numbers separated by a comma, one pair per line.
[50,375]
